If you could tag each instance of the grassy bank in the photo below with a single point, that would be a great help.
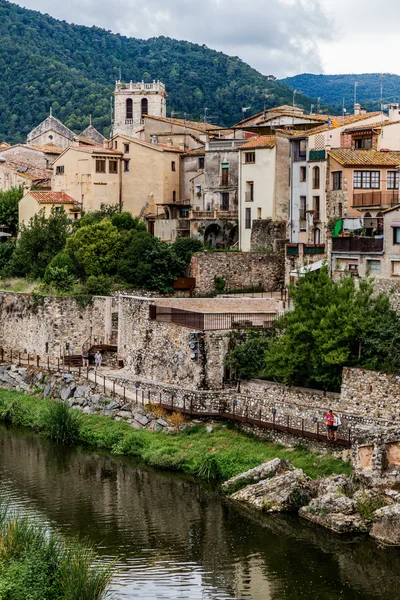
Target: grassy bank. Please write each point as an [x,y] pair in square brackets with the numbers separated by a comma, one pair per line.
[36,564]
[217,454]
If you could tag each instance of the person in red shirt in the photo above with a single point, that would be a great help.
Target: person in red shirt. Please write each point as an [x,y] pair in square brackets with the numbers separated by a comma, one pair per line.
[329,418]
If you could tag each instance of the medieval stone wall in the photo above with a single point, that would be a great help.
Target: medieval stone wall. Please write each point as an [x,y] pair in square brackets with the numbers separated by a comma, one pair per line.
[240,270]
[268,234]
[43,325]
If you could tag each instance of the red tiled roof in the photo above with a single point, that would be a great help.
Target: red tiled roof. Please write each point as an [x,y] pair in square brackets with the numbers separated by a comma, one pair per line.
[263,141]
[52,198]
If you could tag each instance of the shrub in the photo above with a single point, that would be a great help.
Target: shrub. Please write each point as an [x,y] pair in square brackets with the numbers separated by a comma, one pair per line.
[219,284]
[98,286]
[208,468]
[62,423]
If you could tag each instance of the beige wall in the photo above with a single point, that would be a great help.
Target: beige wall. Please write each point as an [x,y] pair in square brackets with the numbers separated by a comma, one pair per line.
[262,175]
[10,179]
[51,137]
[28,207]
[150,174]
[81,182]
[192,176]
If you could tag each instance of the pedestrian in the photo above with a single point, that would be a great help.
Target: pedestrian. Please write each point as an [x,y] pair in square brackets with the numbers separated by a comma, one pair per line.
[85,356]
[329,418]
[97,359]
[336,424]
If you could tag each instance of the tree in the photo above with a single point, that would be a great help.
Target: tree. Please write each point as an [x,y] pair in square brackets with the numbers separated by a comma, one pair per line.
[333,324]
[39,242]
[184,248]
[95,249]
[60,272]
[9,208]
[147,262]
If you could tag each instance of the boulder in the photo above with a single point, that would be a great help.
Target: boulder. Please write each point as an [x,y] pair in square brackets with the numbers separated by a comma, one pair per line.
[285,492]
[162,422]
[47,390]
[82,391]
[335,484]
[264,471]
[66,392]
[336,512]
[386,526]
[142,419]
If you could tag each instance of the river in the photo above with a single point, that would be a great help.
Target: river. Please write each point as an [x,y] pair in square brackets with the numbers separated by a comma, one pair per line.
[177,539]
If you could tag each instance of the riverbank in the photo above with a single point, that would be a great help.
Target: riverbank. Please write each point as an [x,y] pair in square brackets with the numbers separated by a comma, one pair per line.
[213,452]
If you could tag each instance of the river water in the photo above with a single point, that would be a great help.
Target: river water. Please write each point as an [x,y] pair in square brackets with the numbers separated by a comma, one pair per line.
[176,539]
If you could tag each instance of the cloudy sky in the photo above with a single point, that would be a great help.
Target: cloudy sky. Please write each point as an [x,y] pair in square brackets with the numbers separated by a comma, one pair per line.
[279,37]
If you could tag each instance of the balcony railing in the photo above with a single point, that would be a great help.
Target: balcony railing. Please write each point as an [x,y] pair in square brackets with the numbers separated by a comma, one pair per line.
[377,198]
[213,214]
[353,244]
[316,155]
[292,249]
[212,321]
[314,248]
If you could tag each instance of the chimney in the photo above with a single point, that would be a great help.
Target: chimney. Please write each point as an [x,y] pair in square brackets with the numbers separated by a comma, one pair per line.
[357,108]
[363,111]
[27,189]
[169,142]
[394,112]
[106,144]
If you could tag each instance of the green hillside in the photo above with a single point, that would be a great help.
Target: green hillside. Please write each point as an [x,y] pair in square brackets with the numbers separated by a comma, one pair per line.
[47,62]
[333,88]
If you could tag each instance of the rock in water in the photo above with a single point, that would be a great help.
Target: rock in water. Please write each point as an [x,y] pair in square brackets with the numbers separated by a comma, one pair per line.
[286,492]
[264,471]
[386,528]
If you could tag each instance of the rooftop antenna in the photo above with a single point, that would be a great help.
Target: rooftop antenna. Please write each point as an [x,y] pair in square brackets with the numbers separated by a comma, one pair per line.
[111,111]
[355,91]
[90,120]
[318,104]
[51,111]
[244,110]
[294,97]
[120,74]
[343,109]
[205,114]
[311,109]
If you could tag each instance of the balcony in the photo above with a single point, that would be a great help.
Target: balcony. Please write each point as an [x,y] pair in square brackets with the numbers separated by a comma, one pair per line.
[352,244]
[292,249]
[377,198]
[213,214]
[314,249]
[316,155]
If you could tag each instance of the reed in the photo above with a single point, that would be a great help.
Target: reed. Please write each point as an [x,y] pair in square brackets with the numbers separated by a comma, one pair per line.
[62,423]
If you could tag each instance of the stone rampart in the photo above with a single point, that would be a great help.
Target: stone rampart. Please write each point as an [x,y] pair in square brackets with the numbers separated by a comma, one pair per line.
[239,270]
[43,325]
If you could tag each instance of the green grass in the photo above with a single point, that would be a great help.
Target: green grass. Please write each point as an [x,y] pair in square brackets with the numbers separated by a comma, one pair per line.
[219,454]
[37,564]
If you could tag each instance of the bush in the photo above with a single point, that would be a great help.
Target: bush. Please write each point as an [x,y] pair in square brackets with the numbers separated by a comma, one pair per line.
[61,423]
[125,222]
[208,468]
[94,249]
[184,248]
[98,286]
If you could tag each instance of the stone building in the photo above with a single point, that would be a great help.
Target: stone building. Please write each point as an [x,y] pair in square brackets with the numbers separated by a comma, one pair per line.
[51,131]
[133,101]
[15,174]
[40,157]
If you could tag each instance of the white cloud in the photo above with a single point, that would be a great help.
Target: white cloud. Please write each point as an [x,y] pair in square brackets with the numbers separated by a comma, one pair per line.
[277,37]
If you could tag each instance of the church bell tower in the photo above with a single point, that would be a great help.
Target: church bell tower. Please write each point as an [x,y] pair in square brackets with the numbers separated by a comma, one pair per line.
[133,101]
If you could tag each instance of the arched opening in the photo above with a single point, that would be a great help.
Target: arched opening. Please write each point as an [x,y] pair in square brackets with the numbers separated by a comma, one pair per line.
[144,107]
[213,236]
[368,224]
[129,108]
[317,236]
[233,235]
[316,178]
[379,225]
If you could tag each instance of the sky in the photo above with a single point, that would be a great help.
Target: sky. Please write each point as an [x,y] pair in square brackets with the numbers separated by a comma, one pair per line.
[277,37]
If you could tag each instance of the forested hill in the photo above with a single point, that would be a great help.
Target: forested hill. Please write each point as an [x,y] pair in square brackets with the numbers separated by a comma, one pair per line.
[333,88]
[47,62]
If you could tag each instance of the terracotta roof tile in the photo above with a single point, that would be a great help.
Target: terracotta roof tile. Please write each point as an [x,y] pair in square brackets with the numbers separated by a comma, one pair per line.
[263,141]
[190,124]
[360,158]
[52,198]
[196,152]
[27,171]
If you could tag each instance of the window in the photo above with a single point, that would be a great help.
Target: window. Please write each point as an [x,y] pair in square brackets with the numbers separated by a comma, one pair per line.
[100,165]
[303,174]
[126,148]
[225,174]
[249,157]
[173,166]
[201,162]
[126,166]
[337,180]
[396,268]
[115,145]
[247,220]
[317,236]
[367,179]
[315,178]
[259,213]
[60,170]
[225,201]
[113,166]
[374,266]
[174,196]
[303,201]
[249,196]
[198,189]
[129,108]
[364,143]
[316,205]
[300,150]
[340,209]
[144,107]
[57,209]
[396,235]
[392,180]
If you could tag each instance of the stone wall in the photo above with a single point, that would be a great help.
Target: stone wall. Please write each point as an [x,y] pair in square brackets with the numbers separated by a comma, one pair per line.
[268,234]
[43,325]
[161,352]
[391,288]
[239,269]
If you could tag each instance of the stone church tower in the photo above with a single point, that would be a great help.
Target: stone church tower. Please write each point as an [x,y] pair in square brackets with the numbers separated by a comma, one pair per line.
[132,101]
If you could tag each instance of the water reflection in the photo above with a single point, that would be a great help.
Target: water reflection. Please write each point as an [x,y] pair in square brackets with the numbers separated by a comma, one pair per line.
[176,539]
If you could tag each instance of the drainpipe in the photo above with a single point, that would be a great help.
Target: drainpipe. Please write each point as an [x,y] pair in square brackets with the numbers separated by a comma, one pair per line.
[291,192]
[121,163]
[240,218]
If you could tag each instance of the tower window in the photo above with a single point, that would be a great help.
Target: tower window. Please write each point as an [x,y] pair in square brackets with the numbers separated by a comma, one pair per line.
[145,107]
[129,108]
[173,166]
